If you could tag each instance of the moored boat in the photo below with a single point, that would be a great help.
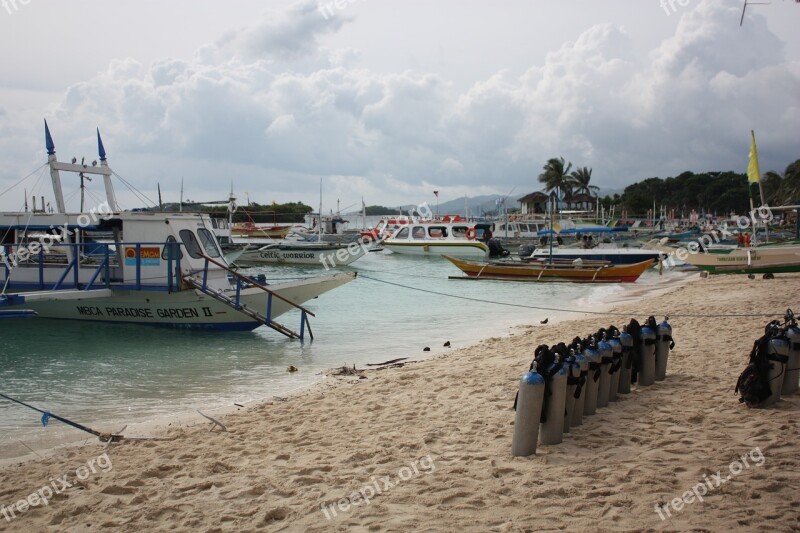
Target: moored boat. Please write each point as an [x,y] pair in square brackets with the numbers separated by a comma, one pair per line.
[162,269]
[544,271]
[458,239]
[761,259]
[327,254]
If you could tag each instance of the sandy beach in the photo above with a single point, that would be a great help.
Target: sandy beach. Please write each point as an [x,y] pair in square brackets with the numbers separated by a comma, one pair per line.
[427,447]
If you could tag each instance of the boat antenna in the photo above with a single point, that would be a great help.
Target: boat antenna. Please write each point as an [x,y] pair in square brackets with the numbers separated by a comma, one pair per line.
[180,205]
[744,8]
[320,211]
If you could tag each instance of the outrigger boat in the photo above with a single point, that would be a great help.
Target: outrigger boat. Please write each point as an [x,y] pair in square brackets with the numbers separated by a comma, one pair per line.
[761,259]
[160,269]
[555,270]
[327,254]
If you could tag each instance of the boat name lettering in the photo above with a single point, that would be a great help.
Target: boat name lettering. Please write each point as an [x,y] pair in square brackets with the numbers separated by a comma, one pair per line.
[129,312]
[286,255]
[185,312]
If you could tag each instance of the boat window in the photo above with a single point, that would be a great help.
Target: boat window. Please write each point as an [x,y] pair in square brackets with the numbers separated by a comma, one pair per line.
[437,232]
[209,242]
[190,241]
[459,231]
[418,232]
[176,249]
[402,234]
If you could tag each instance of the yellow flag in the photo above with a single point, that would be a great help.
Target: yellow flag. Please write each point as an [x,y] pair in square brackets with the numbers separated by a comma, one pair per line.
[753,173]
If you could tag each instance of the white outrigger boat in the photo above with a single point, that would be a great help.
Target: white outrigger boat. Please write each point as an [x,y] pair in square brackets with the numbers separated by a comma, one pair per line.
[160,269]
[761,259]
[327,254]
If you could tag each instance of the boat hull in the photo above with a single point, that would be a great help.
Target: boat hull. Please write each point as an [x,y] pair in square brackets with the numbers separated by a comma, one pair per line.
[544,273]
[467,249]
[187,309]
[755,260]
[616,256]
[327,255]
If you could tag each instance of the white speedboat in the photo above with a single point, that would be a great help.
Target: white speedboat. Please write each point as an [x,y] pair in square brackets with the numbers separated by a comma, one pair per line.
[161,269]
[456,239]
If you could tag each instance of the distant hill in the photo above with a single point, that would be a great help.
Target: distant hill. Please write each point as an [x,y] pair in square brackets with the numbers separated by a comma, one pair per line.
[478,205]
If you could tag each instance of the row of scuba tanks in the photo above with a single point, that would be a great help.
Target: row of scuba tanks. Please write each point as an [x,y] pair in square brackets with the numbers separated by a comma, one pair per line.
[774,366]
[567,382]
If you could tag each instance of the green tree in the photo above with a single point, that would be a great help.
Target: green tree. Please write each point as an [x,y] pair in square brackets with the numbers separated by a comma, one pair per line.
[789,191]
[555,175]
[581,178]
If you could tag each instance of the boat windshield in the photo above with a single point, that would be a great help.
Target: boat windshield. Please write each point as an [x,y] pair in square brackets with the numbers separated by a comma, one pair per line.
[190,241]
[209,243]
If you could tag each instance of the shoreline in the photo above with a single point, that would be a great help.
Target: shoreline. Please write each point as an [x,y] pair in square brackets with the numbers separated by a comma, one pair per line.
[280,464]
[157,425]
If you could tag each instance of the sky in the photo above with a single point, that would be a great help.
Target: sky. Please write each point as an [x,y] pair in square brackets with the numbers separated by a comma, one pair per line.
[390,100]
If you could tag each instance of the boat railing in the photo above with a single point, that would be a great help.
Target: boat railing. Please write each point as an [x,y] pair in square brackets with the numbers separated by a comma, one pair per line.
[243,281]
[102,258]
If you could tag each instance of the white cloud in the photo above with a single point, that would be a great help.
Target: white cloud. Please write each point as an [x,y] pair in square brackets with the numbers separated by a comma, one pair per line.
[271,108]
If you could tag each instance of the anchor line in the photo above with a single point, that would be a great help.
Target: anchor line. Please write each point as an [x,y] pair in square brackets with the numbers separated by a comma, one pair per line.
[59,418]
[562,310]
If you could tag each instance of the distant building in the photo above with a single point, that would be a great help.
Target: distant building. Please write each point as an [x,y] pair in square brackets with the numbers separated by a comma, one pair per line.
[535,202]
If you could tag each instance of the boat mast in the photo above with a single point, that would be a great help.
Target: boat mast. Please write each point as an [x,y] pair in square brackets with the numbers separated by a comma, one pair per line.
[56,166]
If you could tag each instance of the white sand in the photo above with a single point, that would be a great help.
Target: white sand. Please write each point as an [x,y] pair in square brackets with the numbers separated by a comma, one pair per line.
[451,419]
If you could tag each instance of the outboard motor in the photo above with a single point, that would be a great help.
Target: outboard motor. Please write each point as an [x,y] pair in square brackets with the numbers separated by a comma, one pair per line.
[496,248]
[664,344]
[529,412]
[616,363]
[626,340]
[647,353]
[592,355]
[790,379]
[606,358]
[552,429]
[526,250]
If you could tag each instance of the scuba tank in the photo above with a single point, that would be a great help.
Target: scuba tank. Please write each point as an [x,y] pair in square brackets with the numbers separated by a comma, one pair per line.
[575,383]
[592,356]
[778,356]
[580,390]
[616,363]
[647,353]
[664,344]
[626,340]
[529,411]
[552,428]
[606,358]
[790,379]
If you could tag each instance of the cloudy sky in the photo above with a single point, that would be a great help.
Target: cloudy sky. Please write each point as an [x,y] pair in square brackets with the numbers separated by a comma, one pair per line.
[389,100]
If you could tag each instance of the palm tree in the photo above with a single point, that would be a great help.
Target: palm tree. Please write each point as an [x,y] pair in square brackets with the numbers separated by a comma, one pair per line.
[556,172]
[580,178]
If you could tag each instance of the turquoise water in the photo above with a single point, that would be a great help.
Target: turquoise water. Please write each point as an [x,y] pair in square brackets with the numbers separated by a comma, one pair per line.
[106,376]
